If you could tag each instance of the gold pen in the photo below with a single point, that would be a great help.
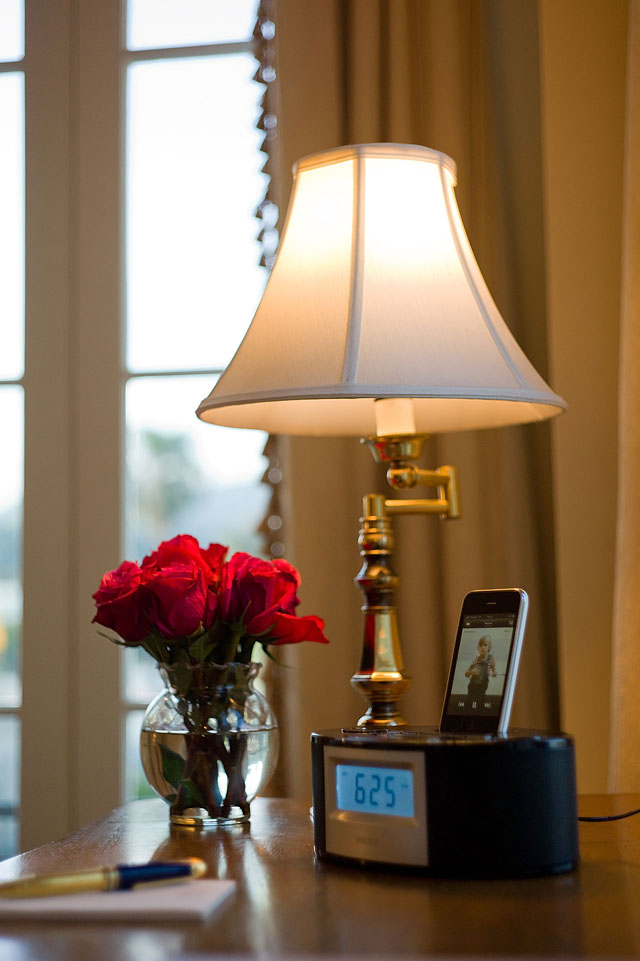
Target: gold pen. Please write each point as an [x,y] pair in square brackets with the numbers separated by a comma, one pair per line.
[120,878]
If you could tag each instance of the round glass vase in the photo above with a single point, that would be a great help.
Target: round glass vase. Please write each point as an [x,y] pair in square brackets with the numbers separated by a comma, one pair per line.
[209,742]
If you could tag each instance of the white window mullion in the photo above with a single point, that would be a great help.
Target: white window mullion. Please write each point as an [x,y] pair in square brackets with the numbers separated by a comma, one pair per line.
[47,552]
[73,432]
[97,395]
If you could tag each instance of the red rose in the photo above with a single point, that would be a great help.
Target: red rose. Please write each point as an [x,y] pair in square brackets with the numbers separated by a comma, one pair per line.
[289,629]
[119,603]
[214,555]
[231,600]
[289,582]
[178,599]
[184,549]
[253,590]
[181,580]
[182,590]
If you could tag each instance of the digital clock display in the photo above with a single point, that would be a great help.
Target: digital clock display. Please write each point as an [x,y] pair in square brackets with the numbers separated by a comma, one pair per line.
[375,790]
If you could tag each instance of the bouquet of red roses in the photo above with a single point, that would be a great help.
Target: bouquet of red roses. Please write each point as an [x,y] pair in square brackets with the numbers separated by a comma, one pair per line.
[209,742]
[187,600]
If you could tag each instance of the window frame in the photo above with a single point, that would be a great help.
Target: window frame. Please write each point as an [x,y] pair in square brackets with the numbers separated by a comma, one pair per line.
[73,708]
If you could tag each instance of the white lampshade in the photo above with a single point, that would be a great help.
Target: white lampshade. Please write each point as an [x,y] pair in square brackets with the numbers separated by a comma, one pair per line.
[376,293]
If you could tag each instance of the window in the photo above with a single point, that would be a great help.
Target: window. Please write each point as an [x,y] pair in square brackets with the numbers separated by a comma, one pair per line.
[193,281]
[141,274]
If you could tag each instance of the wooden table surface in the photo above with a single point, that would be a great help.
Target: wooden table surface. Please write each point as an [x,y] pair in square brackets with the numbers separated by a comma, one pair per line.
[289,904]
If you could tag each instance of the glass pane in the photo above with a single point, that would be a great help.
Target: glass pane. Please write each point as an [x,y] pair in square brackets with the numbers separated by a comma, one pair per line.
[10,785]
[11,486]
[141,678]
[185,477]
[11,224]
[9,762]
[8,836]
[174,23]
[193,183]
[11,30]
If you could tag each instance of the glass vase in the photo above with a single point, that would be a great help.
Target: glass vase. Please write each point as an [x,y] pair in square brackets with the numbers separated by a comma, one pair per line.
[209,742]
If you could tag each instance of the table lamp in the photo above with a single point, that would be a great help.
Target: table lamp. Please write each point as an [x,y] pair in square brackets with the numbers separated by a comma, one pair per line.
[376,322]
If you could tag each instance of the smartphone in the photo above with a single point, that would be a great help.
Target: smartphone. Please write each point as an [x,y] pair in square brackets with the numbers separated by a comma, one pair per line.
[485,660]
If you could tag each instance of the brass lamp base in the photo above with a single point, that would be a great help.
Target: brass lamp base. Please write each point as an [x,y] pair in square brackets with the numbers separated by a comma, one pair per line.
[381,678]
[382,689]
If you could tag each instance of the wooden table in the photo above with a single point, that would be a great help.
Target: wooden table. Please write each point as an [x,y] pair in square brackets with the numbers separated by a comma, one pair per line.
[289,904]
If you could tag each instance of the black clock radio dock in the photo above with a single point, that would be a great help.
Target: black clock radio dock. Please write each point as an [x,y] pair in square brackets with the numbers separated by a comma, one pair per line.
[446,804]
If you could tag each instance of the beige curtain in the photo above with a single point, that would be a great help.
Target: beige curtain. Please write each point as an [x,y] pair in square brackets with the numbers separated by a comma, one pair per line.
[460,76]
[625,744]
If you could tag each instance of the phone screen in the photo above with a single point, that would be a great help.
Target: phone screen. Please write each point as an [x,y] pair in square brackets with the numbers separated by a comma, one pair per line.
[484,662]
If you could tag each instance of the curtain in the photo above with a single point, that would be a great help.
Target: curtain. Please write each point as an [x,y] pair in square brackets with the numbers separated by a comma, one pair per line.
[460,76]
[625,736]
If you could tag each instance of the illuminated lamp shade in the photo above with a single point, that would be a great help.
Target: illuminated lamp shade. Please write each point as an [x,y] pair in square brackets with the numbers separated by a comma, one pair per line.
[375,294]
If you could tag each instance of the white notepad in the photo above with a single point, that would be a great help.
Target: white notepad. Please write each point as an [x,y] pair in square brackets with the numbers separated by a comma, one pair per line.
[188,901]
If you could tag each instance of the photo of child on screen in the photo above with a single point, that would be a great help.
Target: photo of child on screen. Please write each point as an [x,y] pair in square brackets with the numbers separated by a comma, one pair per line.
[481,668]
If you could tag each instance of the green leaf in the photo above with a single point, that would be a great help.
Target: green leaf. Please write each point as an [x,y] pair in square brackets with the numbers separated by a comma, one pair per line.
[201,648]
[182,657]
[190,795]
[172,766]
[154,645]
[272,658]
[181,673]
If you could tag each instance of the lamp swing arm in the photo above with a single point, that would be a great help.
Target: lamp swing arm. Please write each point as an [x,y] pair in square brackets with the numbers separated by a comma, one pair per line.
[398,452]
[405,476]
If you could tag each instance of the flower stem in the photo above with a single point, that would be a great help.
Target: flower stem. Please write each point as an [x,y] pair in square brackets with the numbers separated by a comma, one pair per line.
[234,641]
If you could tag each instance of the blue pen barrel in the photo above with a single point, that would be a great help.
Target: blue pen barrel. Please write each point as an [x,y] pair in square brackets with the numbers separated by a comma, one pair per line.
[130,875]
